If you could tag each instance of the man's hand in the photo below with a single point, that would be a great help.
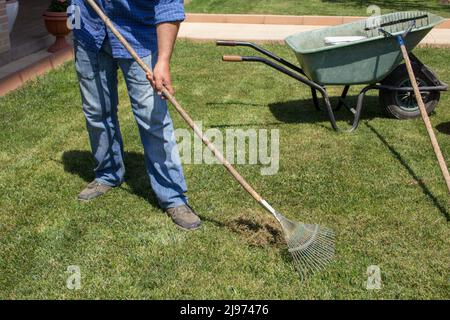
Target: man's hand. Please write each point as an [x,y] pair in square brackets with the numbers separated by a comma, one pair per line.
[167,34]
[161,78]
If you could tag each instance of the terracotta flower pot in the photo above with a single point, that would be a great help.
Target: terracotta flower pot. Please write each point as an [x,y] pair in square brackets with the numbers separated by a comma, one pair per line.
[56,24]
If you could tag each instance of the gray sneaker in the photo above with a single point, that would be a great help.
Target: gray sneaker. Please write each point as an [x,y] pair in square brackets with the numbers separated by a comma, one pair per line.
[184,217]
[93,190]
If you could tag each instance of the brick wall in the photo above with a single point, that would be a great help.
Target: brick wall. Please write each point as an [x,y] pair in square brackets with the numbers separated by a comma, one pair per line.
[4,36]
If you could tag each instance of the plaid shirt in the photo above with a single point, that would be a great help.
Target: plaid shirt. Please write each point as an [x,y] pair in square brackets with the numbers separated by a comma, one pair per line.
[136,20]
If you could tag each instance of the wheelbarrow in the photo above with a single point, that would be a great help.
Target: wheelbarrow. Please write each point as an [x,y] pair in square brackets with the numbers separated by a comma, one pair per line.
[359,53]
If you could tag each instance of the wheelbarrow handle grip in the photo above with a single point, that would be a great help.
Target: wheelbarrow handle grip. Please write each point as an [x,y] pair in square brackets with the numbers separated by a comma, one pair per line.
[226,43]
[232,58]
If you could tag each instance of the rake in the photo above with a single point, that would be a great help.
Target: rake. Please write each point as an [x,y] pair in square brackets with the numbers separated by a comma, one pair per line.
[406,26]
[311,245]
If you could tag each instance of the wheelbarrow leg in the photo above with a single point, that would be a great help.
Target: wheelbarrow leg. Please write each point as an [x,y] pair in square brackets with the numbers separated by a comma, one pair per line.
[342,98]
[329,109]
[315,99]
[338,106]
[359,106]
[357,112]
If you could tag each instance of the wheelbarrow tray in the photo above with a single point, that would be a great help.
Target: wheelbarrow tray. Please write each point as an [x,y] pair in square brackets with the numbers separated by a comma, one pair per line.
[364,61]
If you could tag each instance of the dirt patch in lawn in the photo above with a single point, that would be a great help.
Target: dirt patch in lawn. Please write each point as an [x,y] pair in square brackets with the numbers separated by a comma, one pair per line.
[258,229]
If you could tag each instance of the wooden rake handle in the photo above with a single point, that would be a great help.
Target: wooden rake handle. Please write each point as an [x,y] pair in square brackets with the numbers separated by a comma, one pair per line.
[424,113]
[177,106]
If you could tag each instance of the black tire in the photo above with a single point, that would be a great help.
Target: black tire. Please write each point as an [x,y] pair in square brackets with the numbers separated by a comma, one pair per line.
[403,105]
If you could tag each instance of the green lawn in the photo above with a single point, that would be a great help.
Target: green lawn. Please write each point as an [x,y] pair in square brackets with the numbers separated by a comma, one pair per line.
[379,188]
[314,7]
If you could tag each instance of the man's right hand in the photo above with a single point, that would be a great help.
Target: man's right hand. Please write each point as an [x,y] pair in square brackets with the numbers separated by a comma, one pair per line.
[161,78]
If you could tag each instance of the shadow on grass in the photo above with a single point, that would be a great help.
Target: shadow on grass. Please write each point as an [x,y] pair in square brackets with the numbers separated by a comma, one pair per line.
[81,163]
[303,111]
[411,172]
[444,128]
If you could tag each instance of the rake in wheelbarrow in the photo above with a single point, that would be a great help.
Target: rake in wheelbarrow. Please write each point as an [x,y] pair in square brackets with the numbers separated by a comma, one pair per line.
[358,53]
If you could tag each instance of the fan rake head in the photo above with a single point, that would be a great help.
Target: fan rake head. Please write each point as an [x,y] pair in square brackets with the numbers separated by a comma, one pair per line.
[311,245]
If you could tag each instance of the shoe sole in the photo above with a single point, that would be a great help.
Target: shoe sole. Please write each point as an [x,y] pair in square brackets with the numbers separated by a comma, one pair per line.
[186,229]
[88,200]
[98,196]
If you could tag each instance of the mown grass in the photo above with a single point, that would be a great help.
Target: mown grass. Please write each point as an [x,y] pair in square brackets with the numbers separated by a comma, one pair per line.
[379,188]
[314,7]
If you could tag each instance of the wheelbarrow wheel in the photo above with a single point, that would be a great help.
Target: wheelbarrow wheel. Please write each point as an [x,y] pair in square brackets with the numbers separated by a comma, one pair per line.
[403,105]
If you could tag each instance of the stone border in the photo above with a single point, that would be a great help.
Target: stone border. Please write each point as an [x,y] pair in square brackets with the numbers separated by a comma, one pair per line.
[280,19]
[20,77]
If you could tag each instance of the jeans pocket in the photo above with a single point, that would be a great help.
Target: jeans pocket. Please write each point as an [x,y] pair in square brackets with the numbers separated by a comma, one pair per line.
[137,74]
[134,72]
[86,63]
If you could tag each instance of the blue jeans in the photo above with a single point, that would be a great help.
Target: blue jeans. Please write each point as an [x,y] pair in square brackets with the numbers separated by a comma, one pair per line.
[97,75]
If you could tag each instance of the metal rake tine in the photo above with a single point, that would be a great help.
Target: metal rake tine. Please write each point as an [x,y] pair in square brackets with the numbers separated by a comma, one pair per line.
[321,260]
[313,262]
[300,265]
[318,265]
[322,251]
[306,266]
[300,261]
[321,254]
[314,265]
[312,252]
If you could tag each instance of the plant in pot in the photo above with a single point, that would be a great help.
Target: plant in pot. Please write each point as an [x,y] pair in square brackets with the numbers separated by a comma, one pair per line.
[56,23]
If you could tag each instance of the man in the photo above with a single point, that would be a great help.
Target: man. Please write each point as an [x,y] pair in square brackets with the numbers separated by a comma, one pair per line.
[151,27]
